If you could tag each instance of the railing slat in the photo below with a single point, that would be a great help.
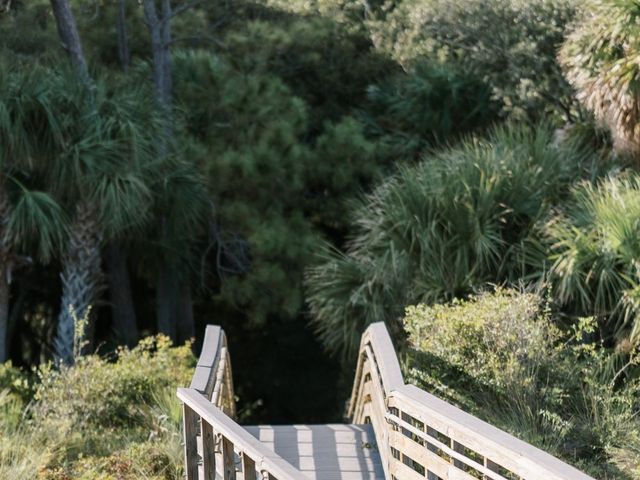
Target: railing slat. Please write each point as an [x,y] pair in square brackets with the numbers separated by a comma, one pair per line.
[248,468]
[228,463]
[208,451]
[190,423]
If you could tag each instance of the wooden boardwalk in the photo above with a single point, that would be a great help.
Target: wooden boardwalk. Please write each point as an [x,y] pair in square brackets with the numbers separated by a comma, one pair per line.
[398,432]
[325,452]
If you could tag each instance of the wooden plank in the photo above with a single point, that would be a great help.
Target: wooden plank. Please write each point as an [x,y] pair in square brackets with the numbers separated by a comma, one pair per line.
[190,424]
[248,468]
[325,452]
[228,465]
[208,451]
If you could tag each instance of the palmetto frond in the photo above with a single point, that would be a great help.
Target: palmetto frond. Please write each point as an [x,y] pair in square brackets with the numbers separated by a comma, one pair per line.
[441,228]
[595,249]
[37,223]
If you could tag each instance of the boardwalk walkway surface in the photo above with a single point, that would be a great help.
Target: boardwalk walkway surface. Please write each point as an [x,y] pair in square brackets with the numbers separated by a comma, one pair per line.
[325,452]
[396,431]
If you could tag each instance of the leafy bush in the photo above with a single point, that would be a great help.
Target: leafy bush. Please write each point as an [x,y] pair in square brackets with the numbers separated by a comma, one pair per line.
[510,45]
[594,249]
[500,356]
[103,419]
[439,229]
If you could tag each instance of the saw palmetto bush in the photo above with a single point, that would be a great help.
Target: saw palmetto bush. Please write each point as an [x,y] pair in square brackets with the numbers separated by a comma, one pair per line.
[431,104]
[594,253]
[600,57]
[437,230]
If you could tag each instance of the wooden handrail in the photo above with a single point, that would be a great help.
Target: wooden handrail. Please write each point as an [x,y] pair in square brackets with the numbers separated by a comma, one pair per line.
[233,439]
[420,435]
[212,439]
[212,376]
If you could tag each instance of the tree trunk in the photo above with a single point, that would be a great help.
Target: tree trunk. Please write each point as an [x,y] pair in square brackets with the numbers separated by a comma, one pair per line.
[167,303]
[81,282]
[123,313]
[4,314]
[160,35]
[186,327]
[159,26]
[68,32]
[5,272]
[123,40]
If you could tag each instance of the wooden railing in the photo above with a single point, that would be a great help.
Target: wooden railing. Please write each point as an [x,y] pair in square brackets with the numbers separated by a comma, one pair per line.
[421,436]
[215,446]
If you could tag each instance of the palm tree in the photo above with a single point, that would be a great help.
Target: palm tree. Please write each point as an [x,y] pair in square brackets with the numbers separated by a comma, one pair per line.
[31,221]
[99,172]
[600,60]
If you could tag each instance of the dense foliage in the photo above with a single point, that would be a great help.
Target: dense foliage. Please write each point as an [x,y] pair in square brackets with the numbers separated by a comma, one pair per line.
[435,231]
[510,45]
[500,356]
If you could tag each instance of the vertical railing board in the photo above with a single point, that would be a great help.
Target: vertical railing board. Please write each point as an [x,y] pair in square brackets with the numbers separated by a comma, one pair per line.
[228,463]
[248,468]
[190,428]
[208,451]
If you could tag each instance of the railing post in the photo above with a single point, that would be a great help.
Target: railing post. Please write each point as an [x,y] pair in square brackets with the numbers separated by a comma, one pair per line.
[208,451]
[190,427]
[228,464]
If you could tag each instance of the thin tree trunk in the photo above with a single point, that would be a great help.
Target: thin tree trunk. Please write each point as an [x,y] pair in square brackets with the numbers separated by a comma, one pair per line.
[123,40]
[186,327]
[167,303]
[4,314]
[5,272]
[123,313]
[81,281]
[159,26]
[68,32]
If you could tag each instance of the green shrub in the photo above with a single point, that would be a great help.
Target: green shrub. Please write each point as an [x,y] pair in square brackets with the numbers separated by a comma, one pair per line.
[511,45]
[499,356]
[439,229]
[103,419]
[594,250]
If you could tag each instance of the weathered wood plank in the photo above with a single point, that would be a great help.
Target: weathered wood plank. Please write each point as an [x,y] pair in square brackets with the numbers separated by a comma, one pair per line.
[325,452]
[208,451]
[228,465]
[248,468]
[190,427]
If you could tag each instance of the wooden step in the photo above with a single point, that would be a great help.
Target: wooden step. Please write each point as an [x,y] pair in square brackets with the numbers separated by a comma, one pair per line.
[325,452]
